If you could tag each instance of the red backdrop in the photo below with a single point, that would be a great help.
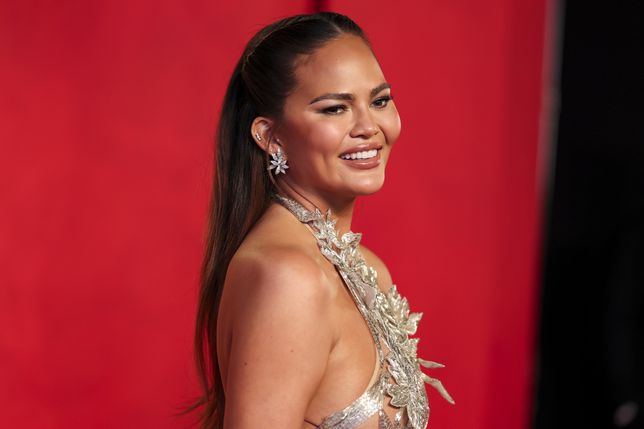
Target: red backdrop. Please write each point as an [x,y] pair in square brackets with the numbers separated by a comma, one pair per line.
[107,113]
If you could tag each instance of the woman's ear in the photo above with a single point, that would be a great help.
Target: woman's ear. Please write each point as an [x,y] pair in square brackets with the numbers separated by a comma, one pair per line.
[261,131]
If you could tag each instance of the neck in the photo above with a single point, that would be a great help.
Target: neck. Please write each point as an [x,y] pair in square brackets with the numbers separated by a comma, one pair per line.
[341,209]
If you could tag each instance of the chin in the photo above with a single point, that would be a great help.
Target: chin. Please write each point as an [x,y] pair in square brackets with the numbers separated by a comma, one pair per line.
[368,186]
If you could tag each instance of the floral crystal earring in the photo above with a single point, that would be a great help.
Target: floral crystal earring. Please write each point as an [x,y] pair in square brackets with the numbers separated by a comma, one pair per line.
[278,162]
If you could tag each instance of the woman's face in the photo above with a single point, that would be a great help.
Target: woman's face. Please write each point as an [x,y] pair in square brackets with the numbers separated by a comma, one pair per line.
[339,122]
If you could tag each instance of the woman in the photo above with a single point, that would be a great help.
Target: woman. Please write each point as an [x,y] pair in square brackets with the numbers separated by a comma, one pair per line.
[294,328]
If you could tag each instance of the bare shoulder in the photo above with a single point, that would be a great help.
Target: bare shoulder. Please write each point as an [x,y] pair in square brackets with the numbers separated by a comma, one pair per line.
[277,258]
[280,328]
[264,277]
[275,269]
[384,277]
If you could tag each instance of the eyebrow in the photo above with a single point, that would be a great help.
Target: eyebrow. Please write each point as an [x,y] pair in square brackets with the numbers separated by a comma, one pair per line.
[346,95]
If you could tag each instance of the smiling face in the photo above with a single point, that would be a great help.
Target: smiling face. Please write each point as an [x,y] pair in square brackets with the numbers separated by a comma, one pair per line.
[339,122]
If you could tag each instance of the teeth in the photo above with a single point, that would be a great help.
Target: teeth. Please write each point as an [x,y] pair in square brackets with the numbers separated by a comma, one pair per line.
[366,154]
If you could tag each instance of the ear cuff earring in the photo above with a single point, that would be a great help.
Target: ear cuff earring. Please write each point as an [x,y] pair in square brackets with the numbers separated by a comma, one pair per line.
[278,162]
[258,137]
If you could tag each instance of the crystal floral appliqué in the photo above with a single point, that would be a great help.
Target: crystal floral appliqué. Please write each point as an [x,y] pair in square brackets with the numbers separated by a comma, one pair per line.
[388,314]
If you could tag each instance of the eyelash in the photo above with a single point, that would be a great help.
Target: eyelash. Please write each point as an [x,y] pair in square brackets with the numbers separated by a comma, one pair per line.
[330,110]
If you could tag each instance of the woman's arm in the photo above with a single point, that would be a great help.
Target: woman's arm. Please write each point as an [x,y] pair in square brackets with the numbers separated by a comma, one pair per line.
[281,339]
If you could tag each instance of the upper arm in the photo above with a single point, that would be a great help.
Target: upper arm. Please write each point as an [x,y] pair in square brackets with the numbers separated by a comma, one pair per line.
[281,340]
[384,277]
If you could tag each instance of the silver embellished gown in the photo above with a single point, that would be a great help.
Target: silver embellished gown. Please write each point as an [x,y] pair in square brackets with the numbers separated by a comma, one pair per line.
[398,376]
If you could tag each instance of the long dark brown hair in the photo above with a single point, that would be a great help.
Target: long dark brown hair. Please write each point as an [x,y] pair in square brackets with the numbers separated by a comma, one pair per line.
[261,81]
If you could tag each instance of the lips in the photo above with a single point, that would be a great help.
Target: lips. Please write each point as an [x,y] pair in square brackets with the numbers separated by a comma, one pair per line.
[362,151]
[365,154]
[363,157]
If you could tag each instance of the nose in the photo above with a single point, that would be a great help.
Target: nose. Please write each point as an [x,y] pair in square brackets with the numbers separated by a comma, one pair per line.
[364,125]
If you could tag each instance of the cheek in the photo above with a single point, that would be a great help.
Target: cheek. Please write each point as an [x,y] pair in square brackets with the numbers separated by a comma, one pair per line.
[391,127]
[325,137]
[315,144]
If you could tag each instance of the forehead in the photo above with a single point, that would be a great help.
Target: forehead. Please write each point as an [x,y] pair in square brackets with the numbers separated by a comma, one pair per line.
[345,64]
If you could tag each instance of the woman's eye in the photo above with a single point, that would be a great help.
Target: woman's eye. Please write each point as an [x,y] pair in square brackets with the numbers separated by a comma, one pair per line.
[340,108]
[383,101]
[334,110]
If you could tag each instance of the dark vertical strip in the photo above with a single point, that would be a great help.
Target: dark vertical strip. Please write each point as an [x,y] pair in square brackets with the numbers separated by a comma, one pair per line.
[591,372]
